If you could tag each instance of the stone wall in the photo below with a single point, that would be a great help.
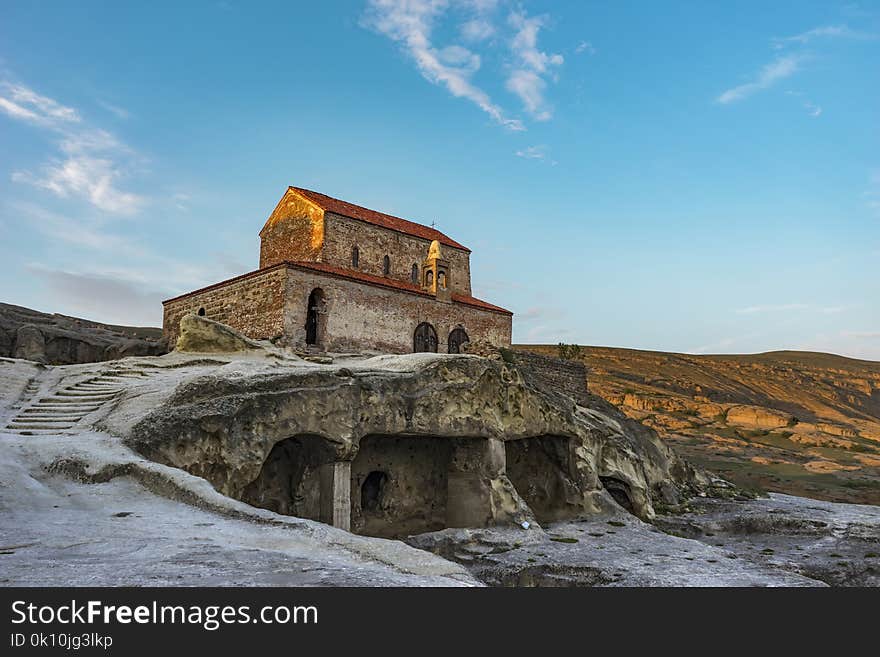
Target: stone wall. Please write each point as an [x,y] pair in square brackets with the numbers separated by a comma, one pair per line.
[374,243]
[566,376]
[356,316]
[294,231]
[362,317]
[252,304]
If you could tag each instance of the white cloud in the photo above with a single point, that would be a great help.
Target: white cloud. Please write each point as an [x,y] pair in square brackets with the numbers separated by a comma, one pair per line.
[812,109]
[71,231]
[535,153]
[110,297]
[750,310]
[824,32]
[24,104]
[477,29]
[585,46]
[772,73]
[91,161]
[526,80]
[410,23]
[862,335]
[788,307]
[118,112]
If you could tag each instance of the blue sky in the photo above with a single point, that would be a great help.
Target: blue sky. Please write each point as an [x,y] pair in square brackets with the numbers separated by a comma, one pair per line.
[682,176]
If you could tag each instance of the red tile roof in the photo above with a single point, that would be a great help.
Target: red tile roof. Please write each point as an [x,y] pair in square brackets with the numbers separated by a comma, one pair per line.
[359,276]
[330,204]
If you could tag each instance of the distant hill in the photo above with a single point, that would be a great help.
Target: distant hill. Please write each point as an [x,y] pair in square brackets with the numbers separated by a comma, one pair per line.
[797,422]
[61,340]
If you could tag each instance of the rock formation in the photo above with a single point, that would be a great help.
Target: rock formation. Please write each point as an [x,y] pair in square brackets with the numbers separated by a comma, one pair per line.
[792,422]
[61,340]
[202,335]
[549,492]
[398,445]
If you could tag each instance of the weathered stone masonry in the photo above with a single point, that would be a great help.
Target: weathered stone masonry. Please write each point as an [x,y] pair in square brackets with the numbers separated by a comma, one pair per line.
[338,277]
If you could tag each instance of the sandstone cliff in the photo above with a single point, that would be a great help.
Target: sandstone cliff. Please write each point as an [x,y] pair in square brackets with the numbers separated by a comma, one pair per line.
[61,340]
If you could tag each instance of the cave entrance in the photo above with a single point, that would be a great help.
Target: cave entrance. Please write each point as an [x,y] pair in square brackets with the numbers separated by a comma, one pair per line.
[539,468]
[293,479]
[409,485]
[620,491]
[372,490]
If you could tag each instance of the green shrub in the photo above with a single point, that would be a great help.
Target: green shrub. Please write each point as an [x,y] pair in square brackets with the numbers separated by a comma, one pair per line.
[569,351]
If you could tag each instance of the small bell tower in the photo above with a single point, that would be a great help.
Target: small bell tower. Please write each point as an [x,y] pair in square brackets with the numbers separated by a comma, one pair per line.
[435,274]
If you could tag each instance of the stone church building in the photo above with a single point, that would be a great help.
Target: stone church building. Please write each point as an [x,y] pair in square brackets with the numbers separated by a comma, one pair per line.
[338,277]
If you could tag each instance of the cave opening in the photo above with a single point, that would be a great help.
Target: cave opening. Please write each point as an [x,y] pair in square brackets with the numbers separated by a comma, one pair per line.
[372,489]
[289,481]
[405,485]
[620,491]
[539,468]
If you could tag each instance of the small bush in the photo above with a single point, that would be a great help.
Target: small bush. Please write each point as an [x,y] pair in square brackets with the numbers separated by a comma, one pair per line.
[569,351]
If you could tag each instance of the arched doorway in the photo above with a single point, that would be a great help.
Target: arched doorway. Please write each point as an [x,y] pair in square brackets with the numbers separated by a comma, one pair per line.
[425,338]
[457,337]
[314,323]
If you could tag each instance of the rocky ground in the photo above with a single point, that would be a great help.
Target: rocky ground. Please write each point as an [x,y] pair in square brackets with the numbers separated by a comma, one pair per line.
[59,339]
[80,506]
[792,422]
[779,540]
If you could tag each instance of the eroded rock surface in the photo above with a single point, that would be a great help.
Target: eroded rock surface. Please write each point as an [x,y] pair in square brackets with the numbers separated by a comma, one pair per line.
[202,335]
[424,441]
[58,339]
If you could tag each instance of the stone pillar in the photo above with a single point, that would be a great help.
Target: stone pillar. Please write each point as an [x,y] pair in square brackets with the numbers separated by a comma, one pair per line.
[336,494]
[474,464]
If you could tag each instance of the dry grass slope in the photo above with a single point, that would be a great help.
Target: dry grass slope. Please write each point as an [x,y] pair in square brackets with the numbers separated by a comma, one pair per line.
[795,422]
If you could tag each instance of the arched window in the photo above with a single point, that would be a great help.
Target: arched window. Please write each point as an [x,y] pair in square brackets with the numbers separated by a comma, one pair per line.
[415,274]
[441,279]
[201,312]
[457,337]
[429,278]
[425,338]
[386,265]
[355,257]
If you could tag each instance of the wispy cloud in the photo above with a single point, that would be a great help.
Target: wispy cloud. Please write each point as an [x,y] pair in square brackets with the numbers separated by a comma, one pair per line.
[90,161]
[535,153]
[779,69]
[24,104]
[789,307]
[112,297]
[750,310]
[85,234]
[585,46]
[824,32]
[812,109]
[410,23]
[115,110]
[862,335]
[528,79]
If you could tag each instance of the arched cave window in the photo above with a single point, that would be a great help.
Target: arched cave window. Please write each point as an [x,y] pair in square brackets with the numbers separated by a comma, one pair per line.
[372,489]
[415,274]
[355,257]
[457,337]
[425,338]
[386,265]
[201,312]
